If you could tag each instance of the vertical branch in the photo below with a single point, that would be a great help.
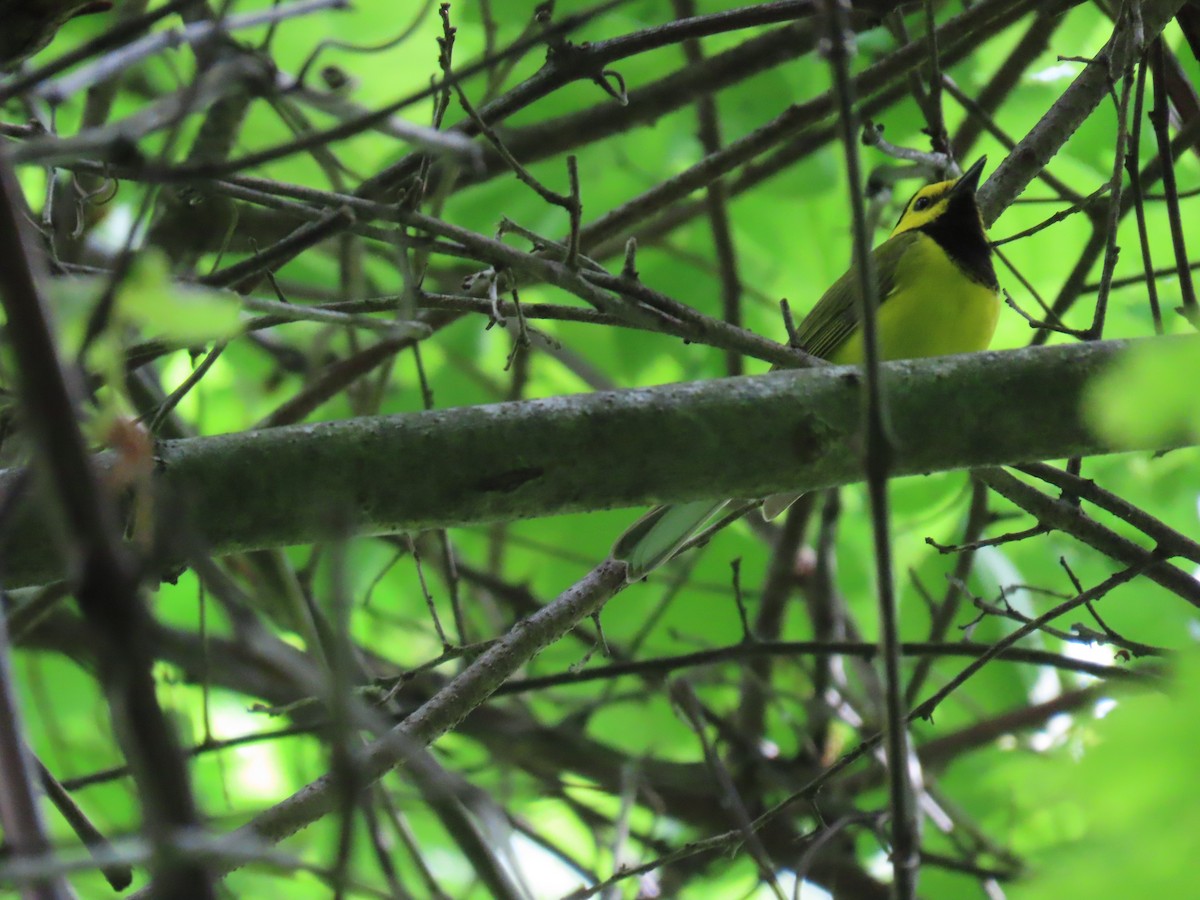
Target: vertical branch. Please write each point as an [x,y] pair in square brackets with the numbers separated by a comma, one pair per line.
[20,815]
[1158,118]
[768,624]
[905,850]
[830,620]
[1139,199]
[933,112]
[574,207]
[339,681]
[943,616]
[685,699]
[716,198]
[1111,251]
[107,590]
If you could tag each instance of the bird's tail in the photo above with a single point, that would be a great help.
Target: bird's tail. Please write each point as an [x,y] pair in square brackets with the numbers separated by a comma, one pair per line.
[658,535]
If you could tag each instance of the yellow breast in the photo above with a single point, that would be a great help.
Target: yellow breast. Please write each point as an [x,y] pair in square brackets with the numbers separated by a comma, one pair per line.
[934,309]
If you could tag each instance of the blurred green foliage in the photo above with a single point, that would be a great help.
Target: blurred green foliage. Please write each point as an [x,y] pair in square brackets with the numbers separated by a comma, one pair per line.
[1095,807]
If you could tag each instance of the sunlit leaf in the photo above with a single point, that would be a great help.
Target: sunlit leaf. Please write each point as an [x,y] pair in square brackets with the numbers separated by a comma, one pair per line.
[184,314]
[1118,820]
[1148,399]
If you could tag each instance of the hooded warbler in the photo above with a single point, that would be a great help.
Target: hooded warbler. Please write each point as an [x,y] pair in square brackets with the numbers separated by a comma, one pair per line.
[937,294]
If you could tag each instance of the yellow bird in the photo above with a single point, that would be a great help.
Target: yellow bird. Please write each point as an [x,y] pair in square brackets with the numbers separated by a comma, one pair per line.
[938,295]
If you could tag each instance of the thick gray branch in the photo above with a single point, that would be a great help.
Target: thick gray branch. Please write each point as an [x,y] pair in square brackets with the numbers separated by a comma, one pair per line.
[737,437]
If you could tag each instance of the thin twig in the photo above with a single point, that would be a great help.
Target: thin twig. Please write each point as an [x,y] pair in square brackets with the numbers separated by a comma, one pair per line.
[904,827]
[1158,118]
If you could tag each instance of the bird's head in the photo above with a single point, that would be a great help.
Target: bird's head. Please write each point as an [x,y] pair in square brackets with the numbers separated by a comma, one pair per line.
[953,199]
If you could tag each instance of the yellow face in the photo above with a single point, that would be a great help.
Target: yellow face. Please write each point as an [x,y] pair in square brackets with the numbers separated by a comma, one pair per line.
[926,205]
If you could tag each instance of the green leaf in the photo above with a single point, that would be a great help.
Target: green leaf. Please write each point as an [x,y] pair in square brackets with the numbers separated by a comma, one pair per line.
[1121,821]
[177,314]
[1148,399]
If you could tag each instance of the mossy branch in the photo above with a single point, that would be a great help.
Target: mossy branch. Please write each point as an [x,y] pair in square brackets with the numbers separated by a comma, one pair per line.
[737,437]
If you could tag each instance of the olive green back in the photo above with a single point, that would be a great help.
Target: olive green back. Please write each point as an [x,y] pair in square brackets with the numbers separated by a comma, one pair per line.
[836,316]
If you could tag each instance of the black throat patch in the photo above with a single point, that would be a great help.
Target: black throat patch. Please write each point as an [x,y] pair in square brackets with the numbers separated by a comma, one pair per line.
[959,232]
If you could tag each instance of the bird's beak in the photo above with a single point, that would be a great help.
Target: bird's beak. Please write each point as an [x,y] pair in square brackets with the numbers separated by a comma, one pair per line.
[970,179]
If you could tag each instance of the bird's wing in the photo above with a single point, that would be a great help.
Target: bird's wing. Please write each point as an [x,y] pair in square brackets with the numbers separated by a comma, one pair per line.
[835,317]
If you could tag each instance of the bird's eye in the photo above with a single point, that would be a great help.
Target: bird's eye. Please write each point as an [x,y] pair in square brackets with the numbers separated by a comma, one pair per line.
[922,203]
